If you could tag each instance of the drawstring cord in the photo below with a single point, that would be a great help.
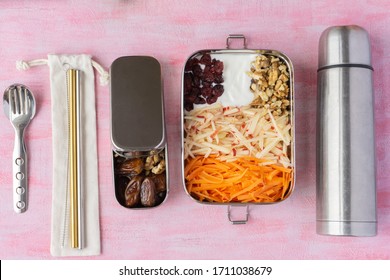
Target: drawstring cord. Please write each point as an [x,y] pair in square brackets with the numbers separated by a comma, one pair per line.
[104,76]
[25,65]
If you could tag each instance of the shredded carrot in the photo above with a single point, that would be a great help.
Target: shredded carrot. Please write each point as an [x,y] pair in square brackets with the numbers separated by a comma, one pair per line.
[244,180]
[195,172]
[281,168]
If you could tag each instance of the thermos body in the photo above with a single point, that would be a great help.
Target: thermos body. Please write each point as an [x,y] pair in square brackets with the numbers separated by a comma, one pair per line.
[346,187]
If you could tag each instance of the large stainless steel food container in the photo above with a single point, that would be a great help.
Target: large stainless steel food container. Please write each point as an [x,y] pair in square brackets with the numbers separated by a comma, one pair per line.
[138,132]
[346,190]
[236,54]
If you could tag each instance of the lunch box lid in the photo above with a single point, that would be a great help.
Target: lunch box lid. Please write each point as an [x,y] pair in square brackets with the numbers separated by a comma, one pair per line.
[137,113]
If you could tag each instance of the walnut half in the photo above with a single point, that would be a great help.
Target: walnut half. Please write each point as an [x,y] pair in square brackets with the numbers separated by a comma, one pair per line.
[155,163]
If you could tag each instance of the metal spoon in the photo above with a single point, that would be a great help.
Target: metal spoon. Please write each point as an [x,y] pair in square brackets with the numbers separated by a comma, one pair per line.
[19,107]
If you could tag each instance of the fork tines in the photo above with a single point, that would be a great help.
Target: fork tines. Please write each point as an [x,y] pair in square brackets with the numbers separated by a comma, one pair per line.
[18,100]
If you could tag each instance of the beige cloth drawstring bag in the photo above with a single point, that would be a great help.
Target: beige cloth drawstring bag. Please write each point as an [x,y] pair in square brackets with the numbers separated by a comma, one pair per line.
[60,236]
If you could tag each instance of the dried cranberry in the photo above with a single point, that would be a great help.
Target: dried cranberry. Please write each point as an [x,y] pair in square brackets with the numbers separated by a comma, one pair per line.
[188,106]
[212,99]
[218,67]
[196,81]
[198,87]
[218,90]
[218,78]
[188,78]
[208,77]
[205,59]
[206,84]
[189,98]
[191,62]
[199,100]
[197,70]
[187,82]
[206,69]
[195,91]
[207,91]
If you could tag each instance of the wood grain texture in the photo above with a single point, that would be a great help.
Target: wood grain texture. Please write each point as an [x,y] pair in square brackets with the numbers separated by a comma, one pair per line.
[171,31]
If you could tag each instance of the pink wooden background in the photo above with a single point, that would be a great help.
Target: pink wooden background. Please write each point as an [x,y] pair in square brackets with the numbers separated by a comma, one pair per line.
[170,31]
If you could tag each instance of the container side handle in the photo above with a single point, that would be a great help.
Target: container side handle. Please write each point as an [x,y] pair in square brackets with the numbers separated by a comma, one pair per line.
[238,222]
[235,36]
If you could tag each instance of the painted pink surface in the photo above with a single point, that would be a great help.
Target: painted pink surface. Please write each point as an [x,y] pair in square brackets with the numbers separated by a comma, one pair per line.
[171,31]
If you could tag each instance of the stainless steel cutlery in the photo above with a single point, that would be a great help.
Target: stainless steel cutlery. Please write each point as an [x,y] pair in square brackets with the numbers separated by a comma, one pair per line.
[19,107]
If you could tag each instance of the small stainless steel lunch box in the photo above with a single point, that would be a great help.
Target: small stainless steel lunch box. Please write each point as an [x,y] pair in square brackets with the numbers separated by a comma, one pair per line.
[138,132]
[236,54]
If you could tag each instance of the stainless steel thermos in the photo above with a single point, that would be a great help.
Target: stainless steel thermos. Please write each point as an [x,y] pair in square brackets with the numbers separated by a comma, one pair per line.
[346,188]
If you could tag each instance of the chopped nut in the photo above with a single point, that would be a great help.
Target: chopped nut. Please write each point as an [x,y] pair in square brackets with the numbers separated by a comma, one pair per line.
[263,83]
[273,76]
[263,96]
[264,63]
[283,68]
[283,77]
[278,84]
[269,83]
[253,87]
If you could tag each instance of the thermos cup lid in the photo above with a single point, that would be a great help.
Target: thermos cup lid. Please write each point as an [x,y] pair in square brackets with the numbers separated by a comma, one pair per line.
[344,45]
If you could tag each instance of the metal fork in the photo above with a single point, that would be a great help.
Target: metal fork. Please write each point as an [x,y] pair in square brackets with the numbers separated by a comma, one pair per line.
[19,107]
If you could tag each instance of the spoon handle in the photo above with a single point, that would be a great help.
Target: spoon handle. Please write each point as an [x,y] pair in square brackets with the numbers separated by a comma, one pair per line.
[19,172]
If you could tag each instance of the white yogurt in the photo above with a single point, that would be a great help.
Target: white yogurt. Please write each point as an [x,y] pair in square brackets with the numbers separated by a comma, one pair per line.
[236,82]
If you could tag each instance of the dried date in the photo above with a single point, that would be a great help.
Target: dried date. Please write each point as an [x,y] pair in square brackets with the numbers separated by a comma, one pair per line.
[131,167]
[159,182]
[148,192]
[137,187]
[132,193]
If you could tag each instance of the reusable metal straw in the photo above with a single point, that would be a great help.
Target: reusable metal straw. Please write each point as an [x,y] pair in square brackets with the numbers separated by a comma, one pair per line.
[75,171]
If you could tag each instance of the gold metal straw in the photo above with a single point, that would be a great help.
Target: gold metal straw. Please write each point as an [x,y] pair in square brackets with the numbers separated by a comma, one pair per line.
[73,78]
